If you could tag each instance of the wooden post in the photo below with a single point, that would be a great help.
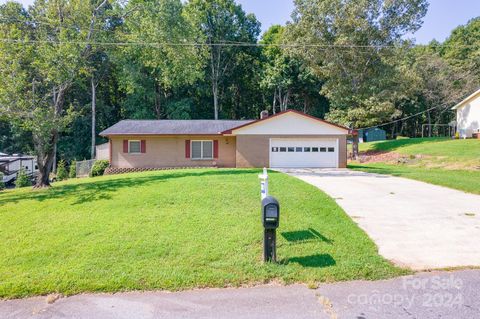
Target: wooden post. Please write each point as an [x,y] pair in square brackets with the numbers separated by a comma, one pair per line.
[355,144]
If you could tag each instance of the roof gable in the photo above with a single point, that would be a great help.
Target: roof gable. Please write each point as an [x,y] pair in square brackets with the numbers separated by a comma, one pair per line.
[289,122]
[472,96]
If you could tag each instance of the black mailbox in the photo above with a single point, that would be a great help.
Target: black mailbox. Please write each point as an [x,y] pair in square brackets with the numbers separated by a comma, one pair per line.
[270,213]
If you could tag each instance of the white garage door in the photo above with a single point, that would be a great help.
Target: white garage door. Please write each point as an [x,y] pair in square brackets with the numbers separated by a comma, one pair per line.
[303,152]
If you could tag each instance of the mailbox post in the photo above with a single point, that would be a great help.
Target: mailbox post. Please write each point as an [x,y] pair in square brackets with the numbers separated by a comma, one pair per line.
[263,183]
[270,220]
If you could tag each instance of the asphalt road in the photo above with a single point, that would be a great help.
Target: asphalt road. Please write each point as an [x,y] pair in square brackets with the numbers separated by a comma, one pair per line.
[426,295]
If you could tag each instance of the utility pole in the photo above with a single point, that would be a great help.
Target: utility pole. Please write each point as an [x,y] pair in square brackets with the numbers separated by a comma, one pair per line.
[92,150]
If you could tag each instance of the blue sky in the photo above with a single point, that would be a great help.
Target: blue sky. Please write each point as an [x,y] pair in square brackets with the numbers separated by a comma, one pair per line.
[442,17]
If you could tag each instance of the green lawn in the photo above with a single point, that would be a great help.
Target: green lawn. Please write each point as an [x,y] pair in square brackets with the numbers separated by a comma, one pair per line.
[442,147]
[468,181]
[174,230]
[441,161]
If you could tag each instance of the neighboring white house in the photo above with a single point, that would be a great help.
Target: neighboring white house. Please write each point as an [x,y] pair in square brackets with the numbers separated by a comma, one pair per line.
[468,115]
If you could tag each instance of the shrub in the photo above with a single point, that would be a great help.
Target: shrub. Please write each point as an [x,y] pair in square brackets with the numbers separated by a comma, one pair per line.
[22,179]
[99,168]
[72,173]
[61,171]
[2,184]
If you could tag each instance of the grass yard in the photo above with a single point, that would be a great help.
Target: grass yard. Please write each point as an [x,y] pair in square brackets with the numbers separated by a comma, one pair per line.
[440,161]
[174,230]
[445,148]
[467,181]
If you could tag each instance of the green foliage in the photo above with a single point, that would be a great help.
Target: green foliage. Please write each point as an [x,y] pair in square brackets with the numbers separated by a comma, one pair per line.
[99,168]
[224,21]
[22,179]
[462,48]
[317,241]
[72,173]
[38,71]
[365,75]
[61,171]
[2,184]
[355,77]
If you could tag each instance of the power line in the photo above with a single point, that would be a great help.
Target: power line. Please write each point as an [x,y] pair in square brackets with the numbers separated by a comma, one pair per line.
[405,118]
[220,43]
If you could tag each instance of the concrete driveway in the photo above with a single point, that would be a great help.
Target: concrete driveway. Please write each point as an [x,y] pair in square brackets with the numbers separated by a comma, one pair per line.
[414,224]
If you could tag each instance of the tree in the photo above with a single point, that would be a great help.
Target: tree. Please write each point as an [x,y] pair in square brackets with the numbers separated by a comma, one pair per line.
[348,44]
[22,179]
[48,45]
[72,172]
[61,171]
[223,25]
[151,72]
[291,79]
[462,47]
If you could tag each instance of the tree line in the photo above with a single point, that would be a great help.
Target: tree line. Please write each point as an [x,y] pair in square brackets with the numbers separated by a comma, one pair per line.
[71,68]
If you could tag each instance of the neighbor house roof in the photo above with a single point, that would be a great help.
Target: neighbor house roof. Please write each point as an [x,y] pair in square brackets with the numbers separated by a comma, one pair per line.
[468,98]
[172,127]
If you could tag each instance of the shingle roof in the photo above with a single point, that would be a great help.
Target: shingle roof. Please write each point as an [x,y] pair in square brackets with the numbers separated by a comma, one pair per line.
[173,127]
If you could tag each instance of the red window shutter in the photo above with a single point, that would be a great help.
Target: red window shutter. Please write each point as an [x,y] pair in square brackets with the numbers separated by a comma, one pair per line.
[215,149]
[143,146]
[125,146]
[187,148]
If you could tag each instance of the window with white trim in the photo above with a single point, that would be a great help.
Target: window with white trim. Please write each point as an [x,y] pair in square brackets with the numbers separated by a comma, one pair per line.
[202,149]
[134,147]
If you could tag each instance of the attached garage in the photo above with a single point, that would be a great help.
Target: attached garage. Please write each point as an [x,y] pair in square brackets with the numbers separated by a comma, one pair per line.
[292,152]
[290,139]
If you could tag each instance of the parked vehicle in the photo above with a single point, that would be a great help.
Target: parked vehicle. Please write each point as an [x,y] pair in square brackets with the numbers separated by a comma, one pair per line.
[11,164]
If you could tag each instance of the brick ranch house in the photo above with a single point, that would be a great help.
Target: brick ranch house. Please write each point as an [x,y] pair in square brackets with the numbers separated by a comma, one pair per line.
[286,139]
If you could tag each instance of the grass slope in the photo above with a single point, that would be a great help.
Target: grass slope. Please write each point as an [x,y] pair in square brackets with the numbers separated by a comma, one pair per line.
[174,230]
[455,150]
[445,162]
[467,181]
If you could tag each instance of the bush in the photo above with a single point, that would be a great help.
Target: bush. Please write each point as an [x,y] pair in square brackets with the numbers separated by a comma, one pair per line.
[2,184]
[22,179]
[72,173]
[99,168]
[61,171]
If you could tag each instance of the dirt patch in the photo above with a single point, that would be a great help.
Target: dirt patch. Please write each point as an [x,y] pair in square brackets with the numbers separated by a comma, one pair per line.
[388,157]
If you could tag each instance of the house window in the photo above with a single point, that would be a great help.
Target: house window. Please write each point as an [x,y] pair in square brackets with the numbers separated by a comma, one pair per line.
[315,149]
[306,149]
[298,149]
[283,149]
[274,149]
[290,149]
[323,149]
[134,147]
[331,149]
[202,149]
